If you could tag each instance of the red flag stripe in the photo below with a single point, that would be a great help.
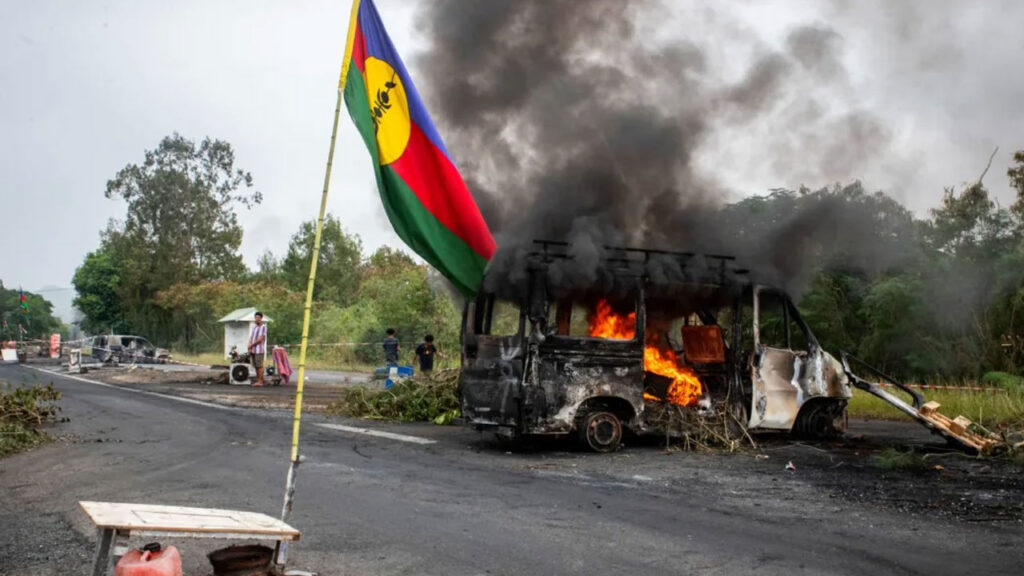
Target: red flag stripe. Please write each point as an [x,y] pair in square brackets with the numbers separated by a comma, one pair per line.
[359,49]
[440,188]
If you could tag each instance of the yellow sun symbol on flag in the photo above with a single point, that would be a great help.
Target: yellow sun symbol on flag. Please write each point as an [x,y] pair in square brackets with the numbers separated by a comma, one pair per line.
[389,109]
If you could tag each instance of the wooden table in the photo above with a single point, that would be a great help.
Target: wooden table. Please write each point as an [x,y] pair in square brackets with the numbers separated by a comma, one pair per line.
[116,522]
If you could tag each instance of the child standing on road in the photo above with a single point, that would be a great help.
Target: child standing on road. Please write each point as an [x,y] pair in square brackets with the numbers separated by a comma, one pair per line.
[426,352]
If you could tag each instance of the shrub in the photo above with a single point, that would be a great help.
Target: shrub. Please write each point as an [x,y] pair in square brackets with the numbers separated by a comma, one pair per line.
[430,398]
[22,411]
[1003,380]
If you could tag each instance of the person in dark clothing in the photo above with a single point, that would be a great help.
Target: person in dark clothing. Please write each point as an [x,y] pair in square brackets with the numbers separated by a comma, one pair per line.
[426,352]
[391,347]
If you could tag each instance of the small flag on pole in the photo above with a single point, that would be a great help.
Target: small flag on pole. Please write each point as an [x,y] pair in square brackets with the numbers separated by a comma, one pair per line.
[423,193]
[23,301]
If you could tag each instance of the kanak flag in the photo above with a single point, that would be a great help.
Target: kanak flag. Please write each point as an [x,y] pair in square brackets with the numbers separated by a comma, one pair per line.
[423,193]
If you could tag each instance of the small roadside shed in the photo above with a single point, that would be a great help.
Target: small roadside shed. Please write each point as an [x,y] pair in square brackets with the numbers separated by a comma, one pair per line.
[237,327]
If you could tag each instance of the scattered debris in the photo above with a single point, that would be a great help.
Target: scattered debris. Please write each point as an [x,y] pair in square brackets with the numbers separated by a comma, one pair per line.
[959,430]
[966,432]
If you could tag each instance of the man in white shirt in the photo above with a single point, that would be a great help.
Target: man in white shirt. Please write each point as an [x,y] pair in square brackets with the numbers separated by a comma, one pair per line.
[258,346]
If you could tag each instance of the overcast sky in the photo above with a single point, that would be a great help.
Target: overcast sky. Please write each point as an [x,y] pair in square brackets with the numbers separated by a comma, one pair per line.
[86,87]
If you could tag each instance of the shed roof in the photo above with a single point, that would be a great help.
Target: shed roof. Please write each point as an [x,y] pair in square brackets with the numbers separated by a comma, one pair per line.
[244,315]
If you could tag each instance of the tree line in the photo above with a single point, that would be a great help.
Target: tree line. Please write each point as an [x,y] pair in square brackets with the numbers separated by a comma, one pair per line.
[940,295]
[173,266]
[35,318]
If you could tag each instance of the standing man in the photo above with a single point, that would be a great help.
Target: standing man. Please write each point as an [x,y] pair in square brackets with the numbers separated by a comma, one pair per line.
[391,347]
[426,352]
[258,346]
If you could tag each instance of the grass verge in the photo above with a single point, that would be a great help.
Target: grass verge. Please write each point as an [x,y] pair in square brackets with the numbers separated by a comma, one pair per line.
[431,398]
[992,409]
[22,412]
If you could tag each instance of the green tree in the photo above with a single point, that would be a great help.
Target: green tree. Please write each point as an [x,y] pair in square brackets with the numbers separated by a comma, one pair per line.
[180,227]
[96,282]
[37,320]
[832,307]
[196,308]
[900,340]
[1016,175]
[395,292]
[181,209]
[969,225]
[268,269]
[337,270]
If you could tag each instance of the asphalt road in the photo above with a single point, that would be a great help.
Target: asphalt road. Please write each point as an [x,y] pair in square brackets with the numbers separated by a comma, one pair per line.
[459,506]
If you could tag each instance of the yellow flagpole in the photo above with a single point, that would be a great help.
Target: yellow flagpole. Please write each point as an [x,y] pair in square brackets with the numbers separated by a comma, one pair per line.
[315,257]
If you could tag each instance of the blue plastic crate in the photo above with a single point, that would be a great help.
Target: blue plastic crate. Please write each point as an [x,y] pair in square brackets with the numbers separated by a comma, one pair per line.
[396,373]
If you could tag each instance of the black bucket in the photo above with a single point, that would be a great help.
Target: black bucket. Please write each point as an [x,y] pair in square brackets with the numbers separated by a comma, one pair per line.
[252,560]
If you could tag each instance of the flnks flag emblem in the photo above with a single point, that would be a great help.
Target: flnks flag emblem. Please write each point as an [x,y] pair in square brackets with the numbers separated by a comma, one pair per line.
[423,193]
[390,109]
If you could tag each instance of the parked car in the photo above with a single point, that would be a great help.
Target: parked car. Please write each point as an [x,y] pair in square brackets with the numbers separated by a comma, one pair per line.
[127,349]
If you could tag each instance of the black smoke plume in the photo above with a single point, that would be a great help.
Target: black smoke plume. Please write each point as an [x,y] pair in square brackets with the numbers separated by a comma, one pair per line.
[570,121]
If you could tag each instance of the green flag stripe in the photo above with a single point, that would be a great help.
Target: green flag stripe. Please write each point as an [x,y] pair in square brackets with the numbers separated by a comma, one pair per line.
[415,225]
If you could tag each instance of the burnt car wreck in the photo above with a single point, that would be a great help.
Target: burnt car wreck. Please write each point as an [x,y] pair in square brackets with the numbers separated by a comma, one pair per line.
[645,331]
[654,328]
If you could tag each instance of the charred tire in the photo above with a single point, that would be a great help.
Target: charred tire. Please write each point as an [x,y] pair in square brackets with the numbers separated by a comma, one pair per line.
[818,421]
[600,431]
[239,373]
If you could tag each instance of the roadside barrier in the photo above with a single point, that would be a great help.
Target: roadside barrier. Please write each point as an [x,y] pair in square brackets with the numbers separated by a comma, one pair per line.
[330,344]
[939,387]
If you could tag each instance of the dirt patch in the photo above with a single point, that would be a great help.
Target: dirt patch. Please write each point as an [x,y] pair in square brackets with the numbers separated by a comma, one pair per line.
[144,376]
[211,386]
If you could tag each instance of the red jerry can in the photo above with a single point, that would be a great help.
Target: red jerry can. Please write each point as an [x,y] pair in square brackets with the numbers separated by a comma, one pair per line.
[150,561]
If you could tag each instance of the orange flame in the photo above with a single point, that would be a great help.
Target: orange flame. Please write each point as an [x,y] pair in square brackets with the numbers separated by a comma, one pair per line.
[685,389]
[605,323]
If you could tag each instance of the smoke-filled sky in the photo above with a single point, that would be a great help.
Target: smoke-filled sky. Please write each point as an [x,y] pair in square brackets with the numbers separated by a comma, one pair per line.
[721,99]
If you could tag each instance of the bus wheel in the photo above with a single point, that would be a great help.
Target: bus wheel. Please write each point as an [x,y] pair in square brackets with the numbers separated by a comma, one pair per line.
[600,431]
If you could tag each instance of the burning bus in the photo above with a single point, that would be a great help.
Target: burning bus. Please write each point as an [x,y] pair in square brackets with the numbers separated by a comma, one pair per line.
[650,330]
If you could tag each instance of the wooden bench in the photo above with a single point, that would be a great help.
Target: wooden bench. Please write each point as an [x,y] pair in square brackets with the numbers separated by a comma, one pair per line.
[116,522]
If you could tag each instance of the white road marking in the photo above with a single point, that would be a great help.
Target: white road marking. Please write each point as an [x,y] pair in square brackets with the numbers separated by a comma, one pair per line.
[339,427]
[379,433]
[136,390]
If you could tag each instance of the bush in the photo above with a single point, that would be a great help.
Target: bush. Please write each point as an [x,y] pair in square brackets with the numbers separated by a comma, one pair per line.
[22,411]
[1003,380]
[430,398]
[29,406]
[15,438]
